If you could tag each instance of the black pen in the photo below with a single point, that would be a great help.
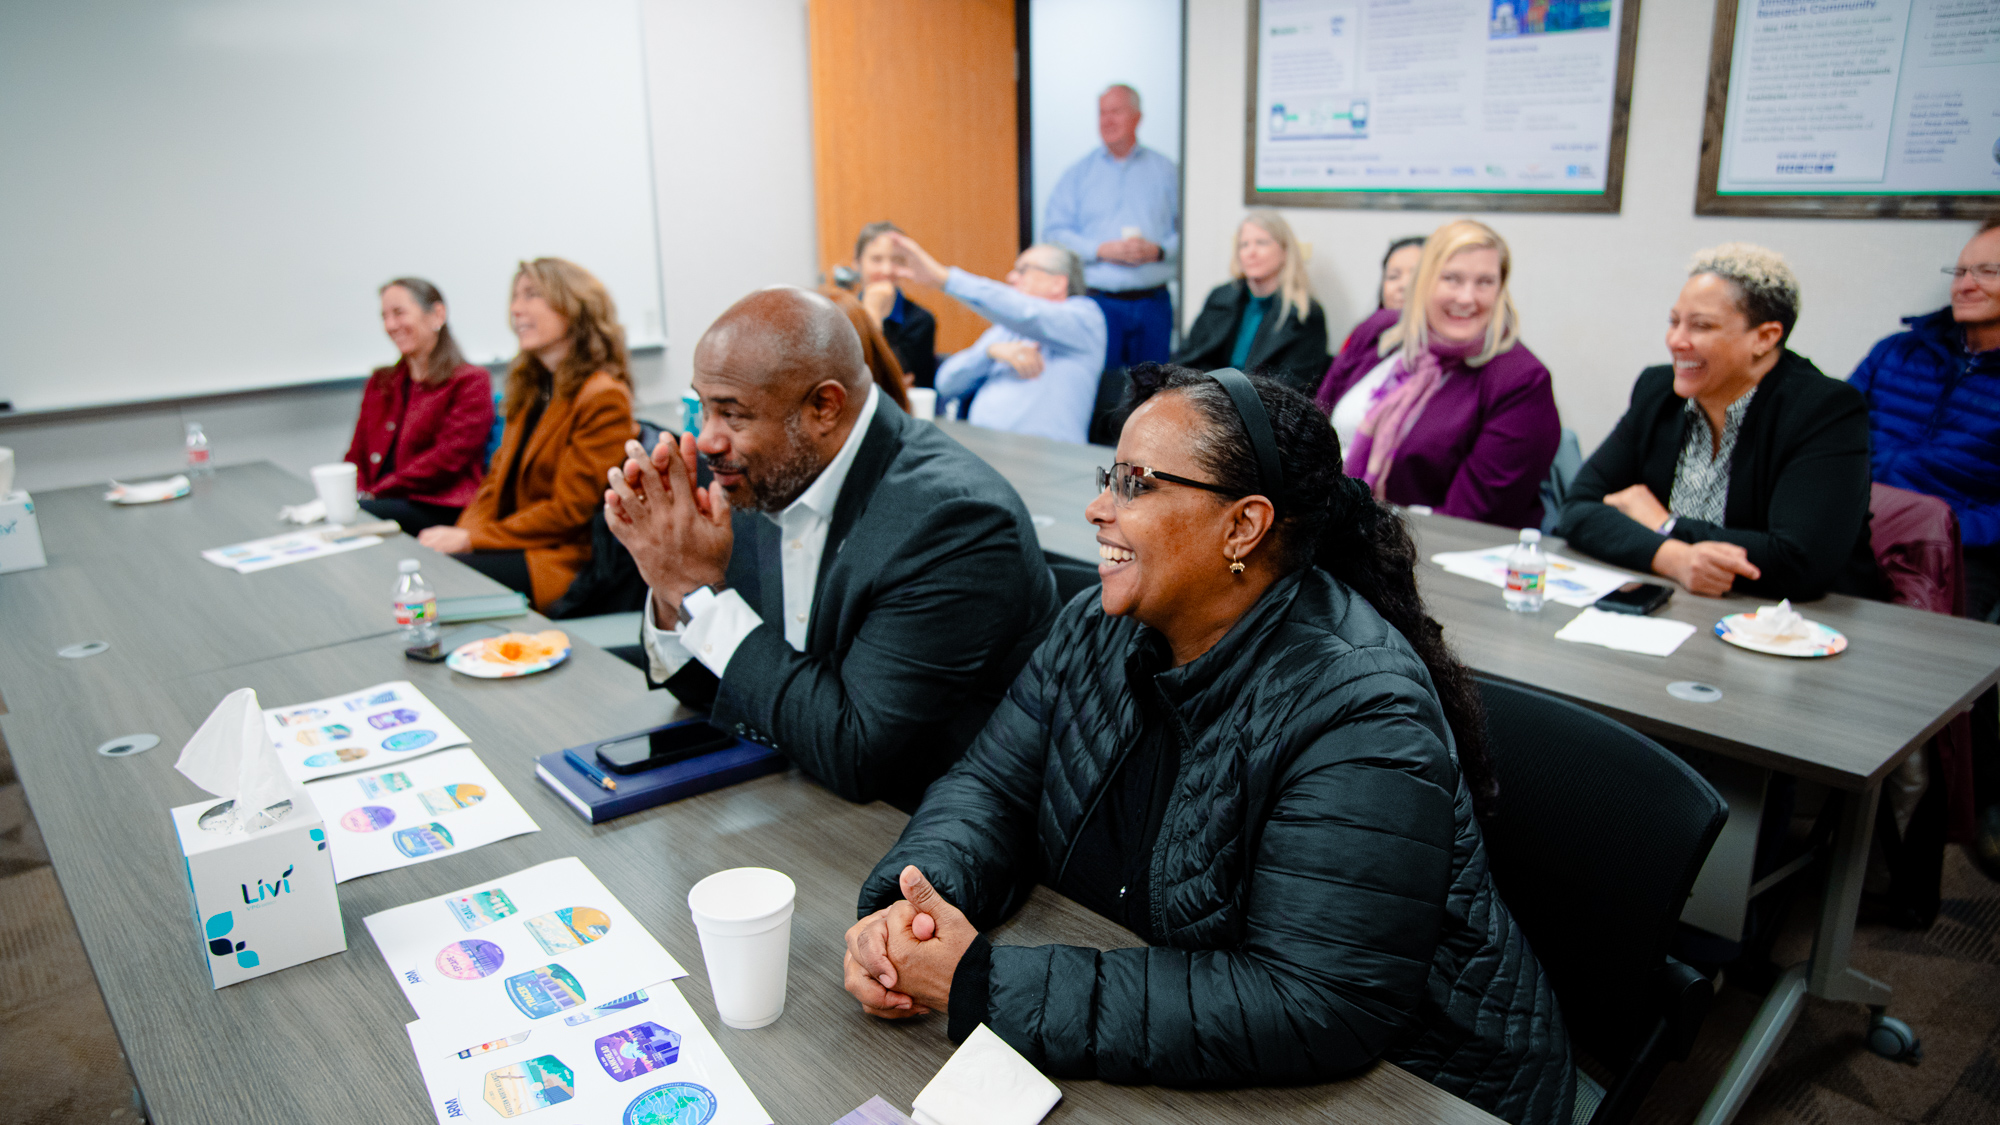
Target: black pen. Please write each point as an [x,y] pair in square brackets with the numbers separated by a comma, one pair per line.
[586,769]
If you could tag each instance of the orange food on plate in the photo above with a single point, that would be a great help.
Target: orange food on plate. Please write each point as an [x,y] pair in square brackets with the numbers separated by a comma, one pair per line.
[521,649]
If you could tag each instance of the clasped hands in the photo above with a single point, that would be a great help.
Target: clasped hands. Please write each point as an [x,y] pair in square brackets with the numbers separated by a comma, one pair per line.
[1708,568]
[1024,356]
[680,536]
[900,960]
[1134,251]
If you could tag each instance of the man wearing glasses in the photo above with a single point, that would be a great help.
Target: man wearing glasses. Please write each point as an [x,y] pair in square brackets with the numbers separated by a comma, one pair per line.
[1035,370]
[1934,427]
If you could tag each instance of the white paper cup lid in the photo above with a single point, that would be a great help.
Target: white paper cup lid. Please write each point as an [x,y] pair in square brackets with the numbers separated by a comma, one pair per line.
[742,897]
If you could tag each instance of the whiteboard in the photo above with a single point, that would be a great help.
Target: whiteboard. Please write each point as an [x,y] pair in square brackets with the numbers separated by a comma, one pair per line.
[204,197]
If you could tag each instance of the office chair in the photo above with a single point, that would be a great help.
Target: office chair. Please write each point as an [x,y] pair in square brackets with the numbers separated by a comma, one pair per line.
[1594,845]
[1072,576]
[1107,415]
[1562,473]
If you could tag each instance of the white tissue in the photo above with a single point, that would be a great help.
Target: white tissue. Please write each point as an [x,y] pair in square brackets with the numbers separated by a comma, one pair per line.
[1648,636]
[1773,623]
[985,1082]
[231,756]
[310,512]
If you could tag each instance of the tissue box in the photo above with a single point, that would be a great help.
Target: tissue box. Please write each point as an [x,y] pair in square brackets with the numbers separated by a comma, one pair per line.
[20,535]
[263,900]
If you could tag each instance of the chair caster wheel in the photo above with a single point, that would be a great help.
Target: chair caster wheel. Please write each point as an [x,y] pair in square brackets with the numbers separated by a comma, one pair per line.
[1892,1039]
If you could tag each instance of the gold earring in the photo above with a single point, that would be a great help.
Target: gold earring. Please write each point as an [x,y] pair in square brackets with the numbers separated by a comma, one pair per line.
[1235,565]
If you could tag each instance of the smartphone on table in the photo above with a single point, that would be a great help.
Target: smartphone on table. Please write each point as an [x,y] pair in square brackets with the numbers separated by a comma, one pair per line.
[662,746]
[1637,598]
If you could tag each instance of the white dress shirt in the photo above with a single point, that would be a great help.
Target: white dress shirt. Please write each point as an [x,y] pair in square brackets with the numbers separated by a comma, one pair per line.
[720,623]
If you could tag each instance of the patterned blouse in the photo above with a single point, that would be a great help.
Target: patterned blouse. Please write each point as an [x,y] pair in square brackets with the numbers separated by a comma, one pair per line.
[1701,482]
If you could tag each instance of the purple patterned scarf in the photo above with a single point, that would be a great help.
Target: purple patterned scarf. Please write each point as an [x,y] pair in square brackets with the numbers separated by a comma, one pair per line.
[1399,402]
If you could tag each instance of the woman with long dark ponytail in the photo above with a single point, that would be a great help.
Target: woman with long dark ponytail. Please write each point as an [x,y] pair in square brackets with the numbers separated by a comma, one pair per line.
[1252,747]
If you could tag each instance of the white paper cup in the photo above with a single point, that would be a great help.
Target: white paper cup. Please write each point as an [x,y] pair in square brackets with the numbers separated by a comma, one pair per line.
[6,471]
[335,485]
[744,917]
[923,402]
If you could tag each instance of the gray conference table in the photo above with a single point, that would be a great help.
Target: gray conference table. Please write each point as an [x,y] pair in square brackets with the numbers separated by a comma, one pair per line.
[1844,721]
[324,1040]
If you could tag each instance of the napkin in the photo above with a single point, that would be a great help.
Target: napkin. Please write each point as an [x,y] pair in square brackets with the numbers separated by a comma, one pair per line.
[1772,623]
[985,1082]
[312,511]
[1648,636]
[147,492]
[231,756]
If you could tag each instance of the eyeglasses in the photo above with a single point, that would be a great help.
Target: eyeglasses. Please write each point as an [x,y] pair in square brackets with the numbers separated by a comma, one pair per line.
[1126,482]
[1986,272]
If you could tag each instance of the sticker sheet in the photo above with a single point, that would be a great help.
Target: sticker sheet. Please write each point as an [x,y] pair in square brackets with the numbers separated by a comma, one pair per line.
[371,729]
[283,550]
[525,950]
[648,1061]
[420,810]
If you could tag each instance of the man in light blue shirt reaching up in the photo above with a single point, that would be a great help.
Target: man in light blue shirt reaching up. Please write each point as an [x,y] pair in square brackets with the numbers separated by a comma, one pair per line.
[1119,209]
[1035,371]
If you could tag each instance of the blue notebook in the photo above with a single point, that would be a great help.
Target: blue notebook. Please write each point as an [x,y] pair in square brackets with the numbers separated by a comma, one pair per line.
[740,761]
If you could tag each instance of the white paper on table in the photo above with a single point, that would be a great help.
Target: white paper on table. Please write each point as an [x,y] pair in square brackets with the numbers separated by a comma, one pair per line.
[605,1067]
[1626,632]
[1568,581]
[283,550]
[361,730]
[985,1082]
[503,953]
[440,804]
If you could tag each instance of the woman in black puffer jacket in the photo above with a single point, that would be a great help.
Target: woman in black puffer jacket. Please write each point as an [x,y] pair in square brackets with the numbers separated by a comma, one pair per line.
[1254,750]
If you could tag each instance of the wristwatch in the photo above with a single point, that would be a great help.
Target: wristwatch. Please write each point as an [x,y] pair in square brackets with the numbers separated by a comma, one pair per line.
[696,600]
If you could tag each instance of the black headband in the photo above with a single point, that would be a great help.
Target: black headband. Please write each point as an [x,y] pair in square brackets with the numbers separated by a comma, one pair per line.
[1249,407]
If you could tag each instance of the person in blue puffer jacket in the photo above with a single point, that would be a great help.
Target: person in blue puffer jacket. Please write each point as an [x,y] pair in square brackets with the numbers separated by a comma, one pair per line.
[1934,427]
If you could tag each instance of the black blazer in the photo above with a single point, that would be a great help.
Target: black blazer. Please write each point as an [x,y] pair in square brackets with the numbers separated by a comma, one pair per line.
[932,595]
[915,342]
[1798,484]
[1292,351]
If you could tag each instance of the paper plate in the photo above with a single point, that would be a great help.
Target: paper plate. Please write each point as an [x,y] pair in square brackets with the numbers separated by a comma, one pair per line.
[1818,641]
[468,658]
[148,492]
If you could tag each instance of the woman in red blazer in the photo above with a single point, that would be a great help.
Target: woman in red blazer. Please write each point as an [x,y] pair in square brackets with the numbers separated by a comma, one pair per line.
[420,444]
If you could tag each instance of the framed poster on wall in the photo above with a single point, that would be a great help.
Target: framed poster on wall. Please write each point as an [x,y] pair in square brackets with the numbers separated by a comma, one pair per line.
[1447,105]
[1853,109]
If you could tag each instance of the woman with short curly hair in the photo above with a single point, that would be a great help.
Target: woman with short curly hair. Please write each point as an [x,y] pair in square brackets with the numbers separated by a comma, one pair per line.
[1740,466]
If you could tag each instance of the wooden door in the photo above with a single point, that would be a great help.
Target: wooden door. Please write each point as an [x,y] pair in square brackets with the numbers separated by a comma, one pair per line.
[914,122]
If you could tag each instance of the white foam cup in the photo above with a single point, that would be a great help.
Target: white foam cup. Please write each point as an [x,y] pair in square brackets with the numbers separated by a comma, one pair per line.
[335,485]
[744,917]
[923,402]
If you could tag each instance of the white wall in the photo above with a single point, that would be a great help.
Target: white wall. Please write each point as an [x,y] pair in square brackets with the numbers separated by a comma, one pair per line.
[730,113]
[1593,290]
[1076,49]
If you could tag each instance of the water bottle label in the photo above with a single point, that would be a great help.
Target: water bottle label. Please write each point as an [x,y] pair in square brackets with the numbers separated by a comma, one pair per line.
[1519,582]
[412,613]
[197,456]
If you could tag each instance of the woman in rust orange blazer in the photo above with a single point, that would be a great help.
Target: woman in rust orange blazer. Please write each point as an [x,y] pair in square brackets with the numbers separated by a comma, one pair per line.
[569,415]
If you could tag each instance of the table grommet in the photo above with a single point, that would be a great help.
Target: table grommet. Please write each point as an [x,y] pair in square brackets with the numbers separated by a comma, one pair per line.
[82,649]
[126,745]
[1694,691]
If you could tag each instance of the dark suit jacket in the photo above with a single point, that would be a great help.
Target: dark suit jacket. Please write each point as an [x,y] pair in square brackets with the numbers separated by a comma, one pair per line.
[1294,351]
[932,594]
[1798,484]
[914,340]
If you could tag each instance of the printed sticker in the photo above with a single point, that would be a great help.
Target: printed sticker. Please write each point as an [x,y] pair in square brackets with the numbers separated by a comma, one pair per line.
[377,784]
[376,700]
[335,757]
[470,959]
[639,1049]
[367,818]
[299,716]
[528,1086]
[495,1045]
[389,720]
[545,991]
[424,839]
[611,1008]
[561,930]
[449,798]
[481,908]
[409,739]
[676,1103]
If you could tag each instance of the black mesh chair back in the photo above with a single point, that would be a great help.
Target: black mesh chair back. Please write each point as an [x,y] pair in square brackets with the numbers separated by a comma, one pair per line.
[1072,576]
[1594,845]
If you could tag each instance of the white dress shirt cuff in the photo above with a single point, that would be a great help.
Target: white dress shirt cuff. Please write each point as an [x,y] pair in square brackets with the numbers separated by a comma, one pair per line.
[665,654]
[720,623]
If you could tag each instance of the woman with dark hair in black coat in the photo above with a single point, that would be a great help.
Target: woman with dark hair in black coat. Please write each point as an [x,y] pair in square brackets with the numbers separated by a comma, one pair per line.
[1254,749]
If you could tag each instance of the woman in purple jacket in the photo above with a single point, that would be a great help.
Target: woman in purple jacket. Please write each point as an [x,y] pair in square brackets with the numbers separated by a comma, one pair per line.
[1440,404]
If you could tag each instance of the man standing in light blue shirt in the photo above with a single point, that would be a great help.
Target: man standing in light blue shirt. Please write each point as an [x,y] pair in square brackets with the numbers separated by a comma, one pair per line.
[1119,210]
[1036,370]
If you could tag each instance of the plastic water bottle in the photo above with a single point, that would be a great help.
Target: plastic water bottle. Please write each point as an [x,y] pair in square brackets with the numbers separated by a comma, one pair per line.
[1527,573]
[197,452]
[416,607]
